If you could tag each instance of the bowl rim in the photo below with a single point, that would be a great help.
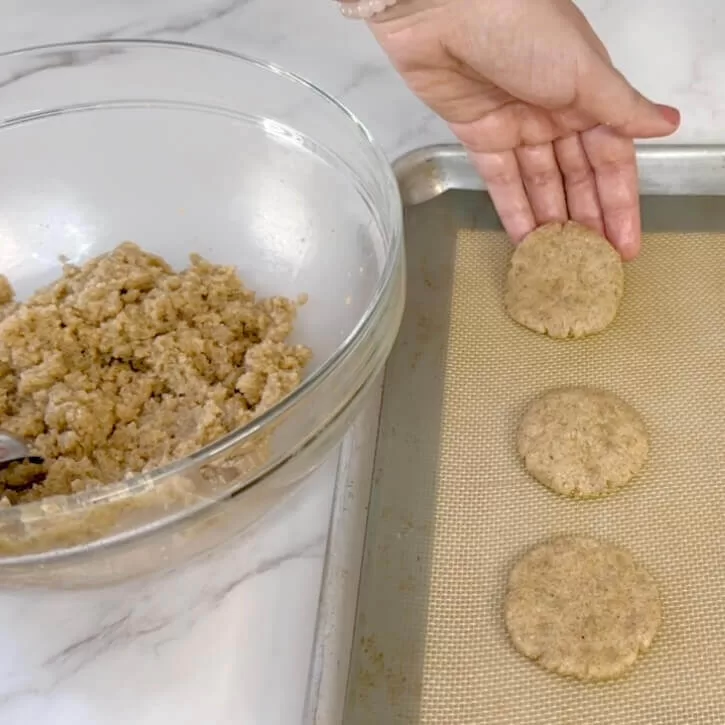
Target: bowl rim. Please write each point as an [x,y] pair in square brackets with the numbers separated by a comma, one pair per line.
[144,481]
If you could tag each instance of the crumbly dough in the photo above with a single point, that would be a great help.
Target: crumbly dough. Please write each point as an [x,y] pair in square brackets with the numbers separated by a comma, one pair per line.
[582,442]
[124,365]
[582,608]
[6,291]
[564,280]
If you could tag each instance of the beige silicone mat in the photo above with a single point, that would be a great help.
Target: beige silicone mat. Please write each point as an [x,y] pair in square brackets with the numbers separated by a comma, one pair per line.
[431,645]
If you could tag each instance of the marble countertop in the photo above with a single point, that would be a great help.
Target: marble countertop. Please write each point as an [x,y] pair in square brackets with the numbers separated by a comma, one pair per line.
[228,639]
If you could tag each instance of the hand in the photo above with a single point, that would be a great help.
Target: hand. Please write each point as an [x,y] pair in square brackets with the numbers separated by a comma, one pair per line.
[531,92]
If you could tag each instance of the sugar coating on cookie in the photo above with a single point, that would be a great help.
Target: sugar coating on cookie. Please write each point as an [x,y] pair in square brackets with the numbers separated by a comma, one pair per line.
[564,280]
[582,442]
[582,608]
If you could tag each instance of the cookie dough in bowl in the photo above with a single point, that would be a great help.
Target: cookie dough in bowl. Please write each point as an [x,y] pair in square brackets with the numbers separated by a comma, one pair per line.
[564,280]
[582,608]
[582,442]
[124,365]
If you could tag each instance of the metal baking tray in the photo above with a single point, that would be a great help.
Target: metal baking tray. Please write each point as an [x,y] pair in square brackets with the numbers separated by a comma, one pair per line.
[431,506]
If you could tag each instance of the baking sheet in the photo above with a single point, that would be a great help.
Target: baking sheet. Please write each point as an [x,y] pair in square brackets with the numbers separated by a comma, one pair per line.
[452,507]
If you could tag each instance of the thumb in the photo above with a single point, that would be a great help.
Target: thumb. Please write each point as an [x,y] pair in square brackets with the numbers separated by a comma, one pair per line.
[606,96]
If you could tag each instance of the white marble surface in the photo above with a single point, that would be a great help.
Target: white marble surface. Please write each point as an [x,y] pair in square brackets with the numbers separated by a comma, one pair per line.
[225,641]
[228,640]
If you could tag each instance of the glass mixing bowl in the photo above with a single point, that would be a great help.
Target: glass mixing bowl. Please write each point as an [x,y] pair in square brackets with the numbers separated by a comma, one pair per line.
[184,149]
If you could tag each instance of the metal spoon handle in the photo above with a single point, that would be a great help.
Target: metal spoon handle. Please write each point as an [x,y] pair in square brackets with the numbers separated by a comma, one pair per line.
[12,448]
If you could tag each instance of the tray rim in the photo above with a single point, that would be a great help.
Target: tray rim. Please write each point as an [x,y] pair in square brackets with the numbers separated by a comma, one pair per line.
[423,174]
[667,169]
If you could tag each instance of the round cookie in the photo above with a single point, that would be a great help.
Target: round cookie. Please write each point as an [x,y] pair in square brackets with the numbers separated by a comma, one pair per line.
[582,608]
[564,280]
[582,442]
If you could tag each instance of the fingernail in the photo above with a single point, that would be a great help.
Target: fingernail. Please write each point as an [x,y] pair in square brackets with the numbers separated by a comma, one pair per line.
[628,247]
[669,113]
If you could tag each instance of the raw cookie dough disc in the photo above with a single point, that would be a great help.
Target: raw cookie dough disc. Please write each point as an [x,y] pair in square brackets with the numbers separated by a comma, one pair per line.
[582,442]
[582,608]
[564,280]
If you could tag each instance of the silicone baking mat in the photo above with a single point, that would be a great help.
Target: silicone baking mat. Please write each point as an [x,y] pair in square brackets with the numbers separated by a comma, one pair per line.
[453,507]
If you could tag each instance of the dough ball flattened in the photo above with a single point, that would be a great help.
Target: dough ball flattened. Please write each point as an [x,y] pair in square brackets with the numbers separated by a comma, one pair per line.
[582,608]
[582,442]
[564,280]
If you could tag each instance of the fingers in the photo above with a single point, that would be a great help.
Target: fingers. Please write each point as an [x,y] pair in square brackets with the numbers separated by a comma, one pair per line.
[526,187]
[590,178]
[503,181]
[605,94]
[614,165]
[543,183]
[579,183]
